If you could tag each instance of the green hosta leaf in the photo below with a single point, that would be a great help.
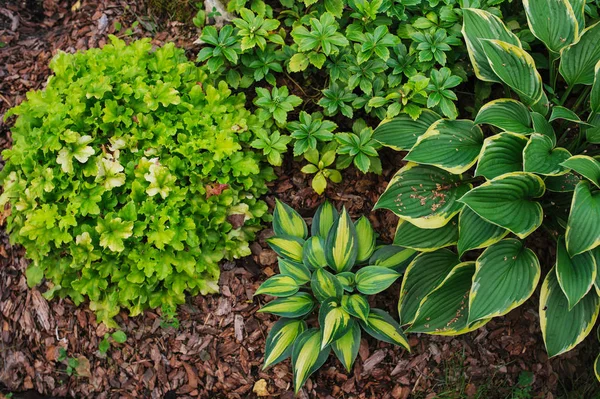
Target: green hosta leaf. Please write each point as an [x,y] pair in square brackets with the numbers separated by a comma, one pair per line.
[540,156]
[392,256]
[583,229]
[586,166]
[424,195]
[426,240]
[357,306]
[278,285]
[516,68]
[297,271]
[293,306]
[402,132]
[288,222]
[280,340]
[509,201]
[553,22]
[366,239]
[597,367]
[596,254]
[579,11]
[501,154]
[372,280]
[542,126]
[423,275]
[325,285]
[314,253]
[559,112]
[475,232]
[562,328]
[578,61]
[307,356]
[324,218]
[346,347]
[334,321]
[380,325]
[347,280]
[341,247]
[450,145]
[477,25]
[506,275]
[562,184]
[576,274]
[507,114]
[595,93]
[288,247]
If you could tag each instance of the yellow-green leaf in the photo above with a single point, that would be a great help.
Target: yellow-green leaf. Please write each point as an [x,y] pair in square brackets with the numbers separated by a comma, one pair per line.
[307,356]
[346,347]
[280,340]
[357,306]
[314,253]
[325,285]
[296,305]
[341,247]
[371,280]
[334,321]
[502,153]
[576,274]
[288,247]
[426,240]
[553,22]
[288,222]
[279,286]
[323,220]
[366,239]
[382,326]
[583,229]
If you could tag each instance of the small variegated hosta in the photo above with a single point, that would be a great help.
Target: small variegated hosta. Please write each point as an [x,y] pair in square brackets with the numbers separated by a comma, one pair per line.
[328,273]
[525,162]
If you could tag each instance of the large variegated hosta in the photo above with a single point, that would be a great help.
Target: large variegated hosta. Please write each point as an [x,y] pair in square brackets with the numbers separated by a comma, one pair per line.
[488,184]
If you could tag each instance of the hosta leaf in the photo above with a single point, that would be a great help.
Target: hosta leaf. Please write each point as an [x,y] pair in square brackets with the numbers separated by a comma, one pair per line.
[347,280]
[562,184]
[422,276]
[501,154]
[596,254]
[366,239]
[553,22]
[380,325]
[477,25]
[280,340]
[562,328]
[278,285]
[509,201]
[450,145]
[542,126]
[288,247]
[341,247]
[402,132]
[334,321]
[576,274]
[357,306]
[424,195]
[578,61]
[475,232]
[346,347]
[597,367]
[372,280]
[583,229]
[392,256]
[307,356]
[426,240]
[507,114]
[559,112]
[516,68]
[540,156]
[314,253]
[325,285]
[586,166]
[288,222]
[293,306]
[297,271]
[595,93]
[323,220]
[507,274]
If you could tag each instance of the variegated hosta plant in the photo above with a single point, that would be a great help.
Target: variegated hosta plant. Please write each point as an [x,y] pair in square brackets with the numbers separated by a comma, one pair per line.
[485,185]
[329,276]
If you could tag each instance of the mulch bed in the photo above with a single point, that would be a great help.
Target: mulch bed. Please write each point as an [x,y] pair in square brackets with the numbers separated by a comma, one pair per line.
[217,350]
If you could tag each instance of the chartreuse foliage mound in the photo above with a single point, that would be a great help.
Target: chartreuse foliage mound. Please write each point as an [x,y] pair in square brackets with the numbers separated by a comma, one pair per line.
[124,176]
[533,166]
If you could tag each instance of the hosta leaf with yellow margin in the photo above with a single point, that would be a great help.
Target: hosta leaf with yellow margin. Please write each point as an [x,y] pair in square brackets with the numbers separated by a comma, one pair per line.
[562,328]
[562,184]
[402,132]
[507,114]
[394,257]
[279,285]
[506,275]
[423,275]
[509,201]
[596,254]
[578,61]
[583,229]
[357,306]
[288,222]
[597,367]
[341,246]
[334,321]
[501,154]
[542,126]
[553,22]
[307,356]
[366,239]
[324,218]
[346,347]
[281,339]
[452,145]
[515,67]
[479,24]
[579,11]
[371,280]
[540,156]
[314,253]
[380,325]
[325,285]
[297,305]
[426,240]
[295,270]
[576,274]
[586,166]
[476,232]
[288,247]
[595,93]
[424,195]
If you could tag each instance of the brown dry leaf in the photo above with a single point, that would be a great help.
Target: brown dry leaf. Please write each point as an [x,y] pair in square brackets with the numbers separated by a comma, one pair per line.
[83,367]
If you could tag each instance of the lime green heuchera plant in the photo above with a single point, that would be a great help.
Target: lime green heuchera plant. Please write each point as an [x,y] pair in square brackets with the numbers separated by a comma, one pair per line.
[131,177]
[328,273]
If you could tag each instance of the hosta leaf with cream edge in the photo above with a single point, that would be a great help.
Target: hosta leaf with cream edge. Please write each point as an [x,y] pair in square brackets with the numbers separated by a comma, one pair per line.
[475,232]
[562,328]
[382,326]
[288,222]
[279,285]
[553,22]
[426,240]
[280,340]
[402,132]
[578,61]
[501,154]
[346,347]
[297,271]
[288,247]
[478,25]
[506,275]
[423,275]
[424,195]
[576,274]
[372,280]
[583,229]
[540,156]
[325,285]
[509,201]
[307,356]
[450,145]
[596,254]
[334,321]
[595,93]
[341,247]
[507,114]
[579,11]
[586,166]
[297,305]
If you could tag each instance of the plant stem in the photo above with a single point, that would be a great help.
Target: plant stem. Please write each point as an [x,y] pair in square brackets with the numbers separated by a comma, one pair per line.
[565,96]
[582,99]
[552,57]
[506,90]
